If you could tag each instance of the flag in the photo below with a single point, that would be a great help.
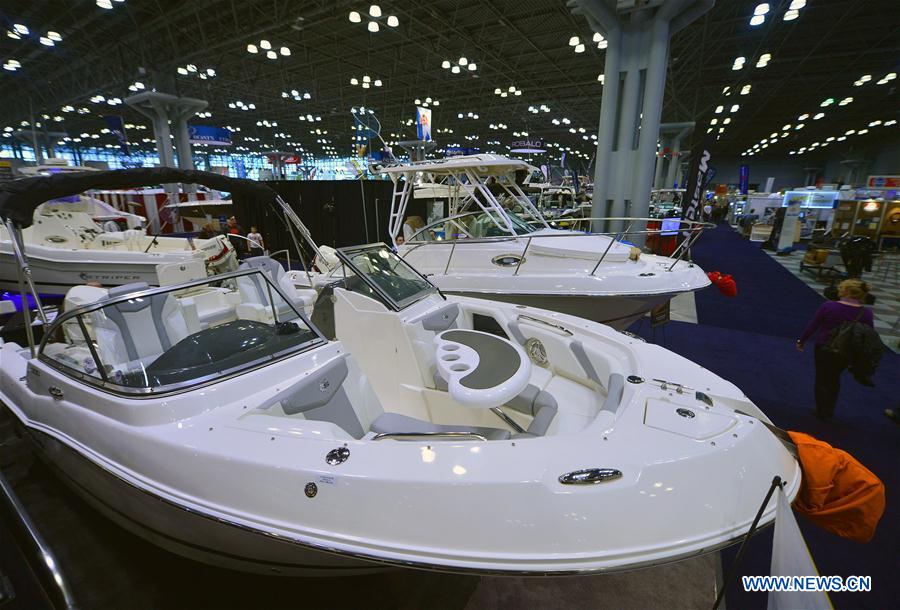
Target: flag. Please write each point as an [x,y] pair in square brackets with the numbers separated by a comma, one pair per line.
[117,128]
[790,557]
[698,177]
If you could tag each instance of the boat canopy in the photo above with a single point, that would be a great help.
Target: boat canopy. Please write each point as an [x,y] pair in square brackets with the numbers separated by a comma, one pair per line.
[19,198]
[483,165]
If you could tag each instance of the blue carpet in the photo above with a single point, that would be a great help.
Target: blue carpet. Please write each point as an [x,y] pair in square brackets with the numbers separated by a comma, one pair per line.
[749,341]
[770,300]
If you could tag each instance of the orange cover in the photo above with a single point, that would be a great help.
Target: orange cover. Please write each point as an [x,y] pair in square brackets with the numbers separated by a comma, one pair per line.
[838,493]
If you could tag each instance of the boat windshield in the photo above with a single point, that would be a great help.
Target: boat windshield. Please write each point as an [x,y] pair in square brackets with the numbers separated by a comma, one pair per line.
[142,340]
[474,224]
[387,276]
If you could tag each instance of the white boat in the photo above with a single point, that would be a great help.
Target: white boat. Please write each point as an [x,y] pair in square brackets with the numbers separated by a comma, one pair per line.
[67,247]
[484,249]
[455,434]
[108,217]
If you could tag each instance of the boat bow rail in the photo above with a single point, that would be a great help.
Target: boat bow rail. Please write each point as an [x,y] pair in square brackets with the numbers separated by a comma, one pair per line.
[615,245]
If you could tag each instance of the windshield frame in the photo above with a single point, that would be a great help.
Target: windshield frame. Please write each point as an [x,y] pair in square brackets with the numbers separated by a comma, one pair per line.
[103,383]
[345,254]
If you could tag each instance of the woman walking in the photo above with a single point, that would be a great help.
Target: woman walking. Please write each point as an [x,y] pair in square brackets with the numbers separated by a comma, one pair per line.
[828,318]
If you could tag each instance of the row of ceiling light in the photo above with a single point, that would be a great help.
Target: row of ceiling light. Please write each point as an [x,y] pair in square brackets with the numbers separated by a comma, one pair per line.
[374,15]
[761,10]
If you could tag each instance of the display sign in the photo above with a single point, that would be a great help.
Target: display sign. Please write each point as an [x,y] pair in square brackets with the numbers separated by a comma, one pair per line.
[207,134]
[458,151]
[744,179]
[423,124]
[6,171]
[661,314]
[285,159]
[811,199]
[883,182]
[527,145]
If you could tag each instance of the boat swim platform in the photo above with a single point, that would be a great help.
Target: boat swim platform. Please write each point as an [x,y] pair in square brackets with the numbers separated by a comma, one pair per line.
[107,567]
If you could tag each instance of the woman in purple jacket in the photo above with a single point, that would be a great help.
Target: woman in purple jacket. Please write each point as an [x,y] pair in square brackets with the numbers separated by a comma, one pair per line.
[830,316]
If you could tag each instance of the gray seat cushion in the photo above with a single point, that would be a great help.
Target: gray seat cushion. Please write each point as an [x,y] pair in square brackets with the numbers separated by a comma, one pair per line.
[388,423]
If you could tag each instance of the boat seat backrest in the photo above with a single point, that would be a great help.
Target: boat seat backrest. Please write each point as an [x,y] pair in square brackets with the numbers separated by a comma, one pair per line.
[256,293]
[142,327]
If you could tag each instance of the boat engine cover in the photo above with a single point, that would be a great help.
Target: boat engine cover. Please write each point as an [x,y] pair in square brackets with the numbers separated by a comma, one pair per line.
[690,420]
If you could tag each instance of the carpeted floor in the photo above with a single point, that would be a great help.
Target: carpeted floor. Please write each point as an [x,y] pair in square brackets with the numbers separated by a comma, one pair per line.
[749,341]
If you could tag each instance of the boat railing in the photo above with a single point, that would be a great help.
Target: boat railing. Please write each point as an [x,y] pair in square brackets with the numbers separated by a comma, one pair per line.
[37,552]
[457,436]
[686,231]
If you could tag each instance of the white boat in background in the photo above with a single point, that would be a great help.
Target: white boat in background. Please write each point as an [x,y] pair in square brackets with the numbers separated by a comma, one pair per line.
[484,249]
[67,247]
[454,434]
[107,216]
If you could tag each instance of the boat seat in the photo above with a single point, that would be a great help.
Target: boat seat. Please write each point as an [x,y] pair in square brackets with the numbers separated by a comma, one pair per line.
[257,304]
[394,423]
[133,331]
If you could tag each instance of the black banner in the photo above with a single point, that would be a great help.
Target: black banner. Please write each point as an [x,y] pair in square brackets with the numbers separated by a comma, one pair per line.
[698,176]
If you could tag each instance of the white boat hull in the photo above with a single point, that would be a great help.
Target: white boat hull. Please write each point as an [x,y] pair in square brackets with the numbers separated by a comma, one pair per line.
[55,271]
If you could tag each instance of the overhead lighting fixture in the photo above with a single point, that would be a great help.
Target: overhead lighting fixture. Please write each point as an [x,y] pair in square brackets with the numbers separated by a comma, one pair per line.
[355,17]
[579,48]
[392,21]
[251,48]
[271,54]
[375,11]
[373,26]
[21,29]
[265,45]
[286,52]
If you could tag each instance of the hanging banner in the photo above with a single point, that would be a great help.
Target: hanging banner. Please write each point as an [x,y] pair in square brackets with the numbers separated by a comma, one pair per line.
[423,124]
[883,182]
[117,128]
[698,177]
[744,179]
[207,134]
[527,145]
[458,151]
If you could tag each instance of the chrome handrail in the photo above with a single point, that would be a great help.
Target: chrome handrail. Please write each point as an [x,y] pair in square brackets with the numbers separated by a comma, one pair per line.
[454,435]
[689,229]
[38,554]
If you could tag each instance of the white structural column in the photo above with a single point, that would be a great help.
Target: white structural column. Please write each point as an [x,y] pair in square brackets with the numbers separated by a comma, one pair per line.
[631,106]
[168,113]
[671,135]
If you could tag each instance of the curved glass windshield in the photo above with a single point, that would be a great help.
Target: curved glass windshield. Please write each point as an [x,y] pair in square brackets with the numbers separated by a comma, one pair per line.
[387,277]
[157,340]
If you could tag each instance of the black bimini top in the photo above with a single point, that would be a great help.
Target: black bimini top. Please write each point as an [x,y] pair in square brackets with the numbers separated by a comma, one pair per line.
[19,198]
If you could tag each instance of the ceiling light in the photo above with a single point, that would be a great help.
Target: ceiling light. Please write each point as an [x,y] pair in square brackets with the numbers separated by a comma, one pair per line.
[373,26]
[392,21]
[285,51]
[377,82]
[719,109]
[355,17]
[761,9]
[375,10]
[472,67]
[757,19]
[573,41]
[54,36]
[463,61]
[46,41]
[790,15]
[798,126]
[579,48]
[735,108]
[183,71]
[107,4]
[598,37]
[354,81]
[21,29]
[271,54]
[251,48]
[455,69]
[745,89]
[796,5]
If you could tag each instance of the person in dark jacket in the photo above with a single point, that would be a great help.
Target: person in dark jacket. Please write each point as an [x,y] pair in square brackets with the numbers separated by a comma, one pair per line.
[830,316]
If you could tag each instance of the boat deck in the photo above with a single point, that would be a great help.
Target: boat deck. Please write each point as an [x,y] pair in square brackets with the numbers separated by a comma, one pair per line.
[108,567]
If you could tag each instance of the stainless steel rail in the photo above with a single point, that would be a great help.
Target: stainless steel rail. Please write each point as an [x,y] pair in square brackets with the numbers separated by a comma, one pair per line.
[460,436]
[690,230]
[36,550]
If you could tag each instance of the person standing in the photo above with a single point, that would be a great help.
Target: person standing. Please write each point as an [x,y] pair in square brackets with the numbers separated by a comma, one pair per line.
[830,316]
[235,233]
[255,241]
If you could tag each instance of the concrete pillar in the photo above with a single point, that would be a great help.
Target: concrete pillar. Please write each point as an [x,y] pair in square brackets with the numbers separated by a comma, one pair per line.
[631,106]
[168,112]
